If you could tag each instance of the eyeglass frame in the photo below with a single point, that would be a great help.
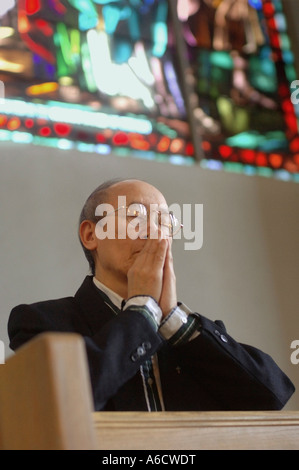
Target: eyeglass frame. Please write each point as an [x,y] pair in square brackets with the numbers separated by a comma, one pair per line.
[170,213]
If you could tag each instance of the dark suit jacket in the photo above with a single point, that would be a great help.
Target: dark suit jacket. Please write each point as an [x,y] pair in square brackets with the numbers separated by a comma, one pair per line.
[211,372]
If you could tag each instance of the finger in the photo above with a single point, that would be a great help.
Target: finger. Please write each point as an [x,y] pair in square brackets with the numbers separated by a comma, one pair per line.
[169,256]
[155,253]
[154,245]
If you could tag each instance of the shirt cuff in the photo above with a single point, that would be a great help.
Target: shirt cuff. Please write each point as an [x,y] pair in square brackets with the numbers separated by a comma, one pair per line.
[148,307]
[177,318]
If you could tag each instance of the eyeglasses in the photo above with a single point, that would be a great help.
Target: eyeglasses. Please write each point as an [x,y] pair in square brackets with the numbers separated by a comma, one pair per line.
[165,220]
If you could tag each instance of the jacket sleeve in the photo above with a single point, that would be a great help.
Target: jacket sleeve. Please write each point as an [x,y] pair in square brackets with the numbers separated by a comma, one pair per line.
[115,352]
[226,375]
[210,372]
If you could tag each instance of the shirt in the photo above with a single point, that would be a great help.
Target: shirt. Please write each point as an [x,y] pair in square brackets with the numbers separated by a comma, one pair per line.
[177,327]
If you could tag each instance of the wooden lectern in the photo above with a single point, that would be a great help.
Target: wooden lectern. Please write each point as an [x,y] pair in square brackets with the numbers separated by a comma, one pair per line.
[46,404]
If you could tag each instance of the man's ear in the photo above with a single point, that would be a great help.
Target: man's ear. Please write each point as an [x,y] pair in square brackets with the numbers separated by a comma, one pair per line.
[87,235]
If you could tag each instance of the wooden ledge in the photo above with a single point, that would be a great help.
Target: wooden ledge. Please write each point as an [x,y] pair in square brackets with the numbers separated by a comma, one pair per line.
[45,396]
[197,430]
[46,403]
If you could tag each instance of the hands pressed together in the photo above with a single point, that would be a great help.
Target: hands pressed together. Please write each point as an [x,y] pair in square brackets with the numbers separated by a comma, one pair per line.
[152,274]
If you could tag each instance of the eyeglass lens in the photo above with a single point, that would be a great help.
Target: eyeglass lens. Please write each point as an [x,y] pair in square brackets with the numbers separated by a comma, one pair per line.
[161,218]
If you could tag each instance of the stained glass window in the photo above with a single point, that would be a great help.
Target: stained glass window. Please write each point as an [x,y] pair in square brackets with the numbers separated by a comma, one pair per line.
[95,74]
[215,82]
[245,80]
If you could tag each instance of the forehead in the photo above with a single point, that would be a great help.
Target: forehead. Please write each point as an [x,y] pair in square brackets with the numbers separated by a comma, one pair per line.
[136,191]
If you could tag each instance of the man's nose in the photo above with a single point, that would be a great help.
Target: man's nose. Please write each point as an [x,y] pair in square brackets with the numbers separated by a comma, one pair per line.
[149,228]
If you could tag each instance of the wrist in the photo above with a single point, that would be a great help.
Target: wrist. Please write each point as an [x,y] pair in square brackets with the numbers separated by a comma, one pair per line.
[175,319]
[166,312]
[145,301]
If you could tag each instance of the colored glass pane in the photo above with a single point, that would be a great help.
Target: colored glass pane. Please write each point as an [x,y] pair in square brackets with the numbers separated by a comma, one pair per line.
[120,58]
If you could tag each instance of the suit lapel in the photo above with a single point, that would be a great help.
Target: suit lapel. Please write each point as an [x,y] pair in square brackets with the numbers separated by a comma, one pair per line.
[95,308]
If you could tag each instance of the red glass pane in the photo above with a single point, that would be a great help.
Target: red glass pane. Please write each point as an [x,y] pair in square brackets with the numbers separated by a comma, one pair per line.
[189,149]
[62,129]
[261,159]
[225,151]
[100,138]
[248,156]
[275,160]
[294,145]
[268,9]
[29,123]
[32,6]
[45,131]
[120,138]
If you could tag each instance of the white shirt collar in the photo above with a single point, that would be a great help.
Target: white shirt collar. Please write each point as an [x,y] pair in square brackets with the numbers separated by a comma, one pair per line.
[115,298]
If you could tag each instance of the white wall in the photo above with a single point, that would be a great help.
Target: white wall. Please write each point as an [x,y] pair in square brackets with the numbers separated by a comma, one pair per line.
[246,273]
